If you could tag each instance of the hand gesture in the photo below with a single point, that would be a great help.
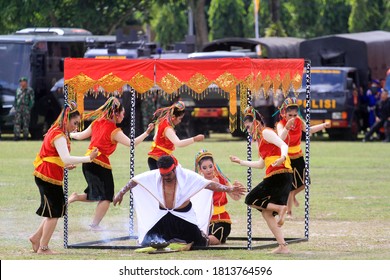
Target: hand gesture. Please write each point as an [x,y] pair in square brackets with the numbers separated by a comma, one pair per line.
[94,154]
[327,125]
[198,138]
[238,189]
[234,159]
[290,123]
[150,128]
[70,166]
[118,198]
[279,161]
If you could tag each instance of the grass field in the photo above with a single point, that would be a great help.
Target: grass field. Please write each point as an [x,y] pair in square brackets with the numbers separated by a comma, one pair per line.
[349,204]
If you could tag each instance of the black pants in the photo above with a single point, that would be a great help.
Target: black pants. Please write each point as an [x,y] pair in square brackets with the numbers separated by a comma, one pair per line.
[375,128]
[152,163]
[172,228]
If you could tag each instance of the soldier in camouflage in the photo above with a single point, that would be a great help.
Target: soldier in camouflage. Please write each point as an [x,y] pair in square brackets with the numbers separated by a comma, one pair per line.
[24,101]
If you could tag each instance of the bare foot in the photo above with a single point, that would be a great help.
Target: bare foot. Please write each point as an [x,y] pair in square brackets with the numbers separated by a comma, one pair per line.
[282,249]
[45,251]
[72,198]
[96,228]
[296,202]
[282,215]
[289,214]
[34,243]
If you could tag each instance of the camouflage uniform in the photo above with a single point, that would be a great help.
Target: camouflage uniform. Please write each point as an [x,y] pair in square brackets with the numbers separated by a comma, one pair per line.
[24,101]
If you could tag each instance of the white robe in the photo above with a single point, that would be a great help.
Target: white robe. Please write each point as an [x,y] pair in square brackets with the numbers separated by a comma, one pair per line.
[148,195]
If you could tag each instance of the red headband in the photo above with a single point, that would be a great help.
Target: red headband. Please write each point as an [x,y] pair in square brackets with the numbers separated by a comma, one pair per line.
[164,171]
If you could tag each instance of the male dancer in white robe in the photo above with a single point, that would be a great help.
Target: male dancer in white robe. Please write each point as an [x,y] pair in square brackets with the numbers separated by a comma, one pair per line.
[173,203]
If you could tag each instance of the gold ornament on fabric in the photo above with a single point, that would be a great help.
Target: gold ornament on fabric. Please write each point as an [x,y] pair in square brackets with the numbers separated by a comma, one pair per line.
[141,84]
[257,83]
[227,82]
[243,100]
[198,83]
[296,83]
[266,85]
[286,84]
[111,83]
[81,83]
[170,83]
[248,82]
[233,110]
[276,83]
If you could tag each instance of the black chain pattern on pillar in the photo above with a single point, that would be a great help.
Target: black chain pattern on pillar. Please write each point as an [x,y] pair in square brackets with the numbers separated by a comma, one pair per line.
[66,183]
[249,179]
[132,146]
[307,147]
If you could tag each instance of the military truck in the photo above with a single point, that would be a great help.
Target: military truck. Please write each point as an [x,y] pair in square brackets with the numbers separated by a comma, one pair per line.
[38,54]
[333,99]
[343,66]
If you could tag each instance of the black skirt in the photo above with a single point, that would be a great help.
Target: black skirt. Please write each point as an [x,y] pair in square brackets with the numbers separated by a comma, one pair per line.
[100,182]
[274,189]
[52,199]
[298,166]
[174,229]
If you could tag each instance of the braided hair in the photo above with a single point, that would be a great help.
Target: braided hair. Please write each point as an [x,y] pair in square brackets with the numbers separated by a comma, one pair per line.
[177,109]
[257,120]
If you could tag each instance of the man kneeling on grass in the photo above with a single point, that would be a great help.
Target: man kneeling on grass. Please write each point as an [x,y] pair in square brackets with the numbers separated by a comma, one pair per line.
[168,202]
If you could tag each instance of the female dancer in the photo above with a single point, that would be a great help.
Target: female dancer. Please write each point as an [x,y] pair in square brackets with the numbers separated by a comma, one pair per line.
[220,223]
[105,135]
[290,129]
[49,174]
[165,139]
[270,195]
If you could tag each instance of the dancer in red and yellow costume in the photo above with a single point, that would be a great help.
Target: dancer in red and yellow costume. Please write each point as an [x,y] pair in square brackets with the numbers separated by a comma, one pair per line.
[165,139]
[220,223]
[105,135]
[289,129]
[269,196]
[49,174]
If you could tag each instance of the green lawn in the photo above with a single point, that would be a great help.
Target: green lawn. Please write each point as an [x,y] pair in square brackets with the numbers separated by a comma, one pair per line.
[349,203]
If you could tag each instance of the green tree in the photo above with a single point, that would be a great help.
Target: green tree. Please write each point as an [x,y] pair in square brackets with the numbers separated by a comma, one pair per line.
[98,16]
[226,18]
[386,16]
[365,15]
[334,17]
[170,22]
[304,17]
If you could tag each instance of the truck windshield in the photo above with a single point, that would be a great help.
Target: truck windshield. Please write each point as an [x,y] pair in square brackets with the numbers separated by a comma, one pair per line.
[15,63]
[325,80]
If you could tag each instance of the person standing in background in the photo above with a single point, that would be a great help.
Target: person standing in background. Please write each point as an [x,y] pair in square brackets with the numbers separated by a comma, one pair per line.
[24,101]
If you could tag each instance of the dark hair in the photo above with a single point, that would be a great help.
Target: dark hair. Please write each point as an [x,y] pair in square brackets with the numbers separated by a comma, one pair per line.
[74,113]
[165,162]
[118,109]
[205,158]
[292,107]
[178,112]
[250,118]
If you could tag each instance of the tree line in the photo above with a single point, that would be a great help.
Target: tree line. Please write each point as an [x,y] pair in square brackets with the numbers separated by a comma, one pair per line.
[167,21]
